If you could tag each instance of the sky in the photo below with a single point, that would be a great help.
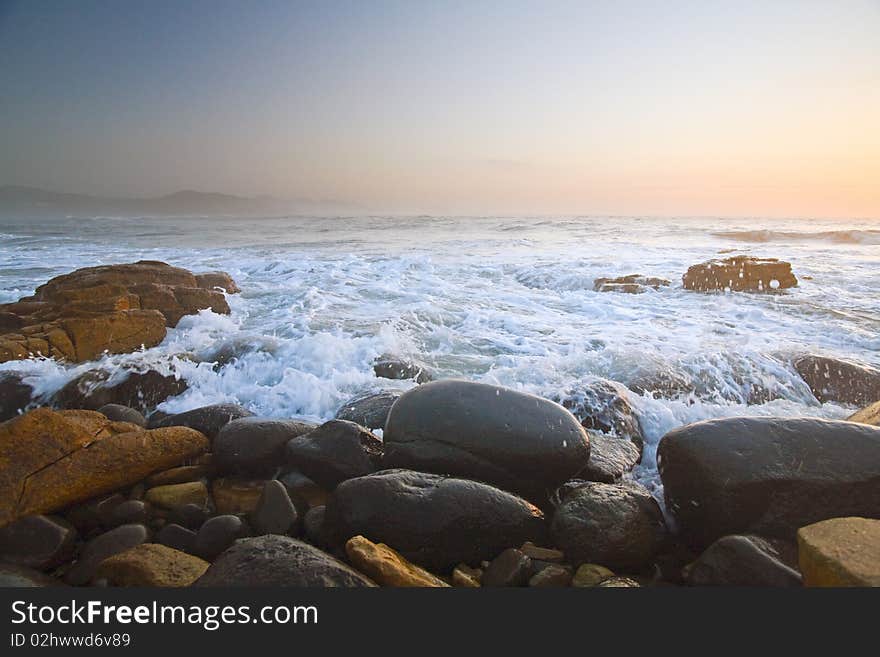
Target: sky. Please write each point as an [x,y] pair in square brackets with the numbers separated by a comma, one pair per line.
[746,108]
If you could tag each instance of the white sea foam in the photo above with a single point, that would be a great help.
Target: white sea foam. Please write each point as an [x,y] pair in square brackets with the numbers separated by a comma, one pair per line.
[509,301]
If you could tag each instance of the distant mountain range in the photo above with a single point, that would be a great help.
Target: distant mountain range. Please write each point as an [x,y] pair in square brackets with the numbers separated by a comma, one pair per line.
[32,201]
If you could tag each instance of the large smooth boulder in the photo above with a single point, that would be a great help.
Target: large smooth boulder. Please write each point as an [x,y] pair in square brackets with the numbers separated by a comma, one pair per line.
[111,308]
[840,552]
[836,380]
[255,445]
[335,451]
[741,561]
[15,394]
[605,406]
[617,525]
[434,521]
[274,560]
[739,274]
[50,460]
[510,439]
[371,410]
[142,391]
[767,476]
[207,419]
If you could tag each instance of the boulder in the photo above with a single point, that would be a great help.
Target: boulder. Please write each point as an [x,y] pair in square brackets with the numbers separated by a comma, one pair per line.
[631,284]
[840,552]
[15,394]
[141,391]
[610,458]
[207,419]
[254,445]
[273,560]
[100,548]
[275,512]
[172,496]
[217,534]
[741,561]
[767,476]
[111,308]
[617,525]
[386,567]
[836,380]
[868,415]
[335,451]
[213,280]
[39,542]
[739,274]
[388,366]
[371,410]
[151,564]
[434,521]
[605,406]
[513,440]
[233,495]
[120,413]
[51,460]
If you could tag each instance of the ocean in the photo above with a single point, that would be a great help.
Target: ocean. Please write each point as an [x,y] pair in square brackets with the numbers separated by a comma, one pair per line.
[506,300]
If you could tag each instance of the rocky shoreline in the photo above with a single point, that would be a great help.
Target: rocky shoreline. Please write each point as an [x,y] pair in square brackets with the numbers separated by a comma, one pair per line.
[467,485]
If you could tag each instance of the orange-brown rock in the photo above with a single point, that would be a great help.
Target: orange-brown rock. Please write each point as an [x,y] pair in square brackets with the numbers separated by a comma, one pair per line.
[868,415]
[233,496]
[151,564]
[386,567]
[740,273]
[113,308]
[50,460]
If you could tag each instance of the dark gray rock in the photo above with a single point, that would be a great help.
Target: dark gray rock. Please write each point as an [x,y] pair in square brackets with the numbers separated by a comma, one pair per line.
[605,406]
[217,534]
[120,413]
[389,366]
[435,521]
[177,537]
[619,526]
[142,391]
[13,576]
[15,395]
[515,441]
[275,512]
[128,512]
[103,546]
[93,514]
[39,542]
[191,516]
[510,568]
[313,526]
[335,451]
[610,458]
[836,380]
[207,419]
[274,560]
[369,410]
[741,561]
[304,492]
[255,445]
[767,476]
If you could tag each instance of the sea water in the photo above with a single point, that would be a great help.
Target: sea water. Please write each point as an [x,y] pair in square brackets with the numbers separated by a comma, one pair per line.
[505,300]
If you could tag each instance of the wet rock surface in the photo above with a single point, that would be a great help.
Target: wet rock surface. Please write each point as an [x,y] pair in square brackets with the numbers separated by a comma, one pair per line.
[739,274]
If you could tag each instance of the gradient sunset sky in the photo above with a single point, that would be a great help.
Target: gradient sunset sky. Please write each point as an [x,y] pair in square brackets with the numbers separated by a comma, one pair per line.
[746,108]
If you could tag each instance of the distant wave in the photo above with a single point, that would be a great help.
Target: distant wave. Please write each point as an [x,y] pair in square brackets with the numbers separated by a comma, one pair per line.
[835,236]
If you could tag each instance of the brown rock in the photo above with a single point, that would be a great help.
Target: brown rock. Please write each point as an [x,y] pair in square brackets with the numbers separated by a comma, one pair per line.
[591,574]
[740,273]
[868,415]
[217,279]
[631,284]
[466,577]
[179,475]
[541,553]
[834,379]
[234,496]
[172,496]
[386,567]
[152,564]
[44,465]
[553,576]
[840,552]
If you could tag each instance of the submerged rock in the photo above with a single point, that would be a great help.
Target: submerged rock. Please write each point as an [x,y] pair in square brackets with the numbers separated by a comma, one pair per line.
[605,406]
[434,521]
[631,284]
[273,560]
[142,391]
[767,476]
[836,380]
[740,273]
[510,439]
[389,366]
